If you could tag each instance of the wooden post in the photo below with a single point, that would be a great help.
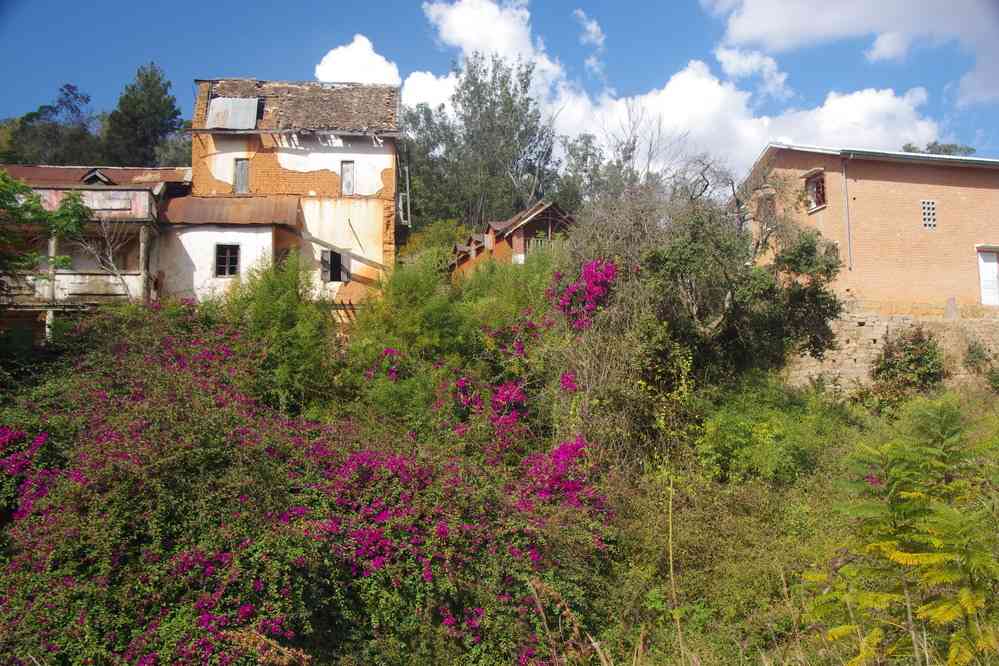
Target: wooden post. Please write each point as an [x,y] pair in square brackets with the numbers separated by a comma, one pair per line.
[144,262]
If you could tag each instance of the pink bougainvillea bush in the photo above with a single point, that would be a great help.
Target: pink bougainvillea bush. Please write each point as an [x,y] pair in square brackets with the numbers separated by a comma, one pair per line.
[152,512]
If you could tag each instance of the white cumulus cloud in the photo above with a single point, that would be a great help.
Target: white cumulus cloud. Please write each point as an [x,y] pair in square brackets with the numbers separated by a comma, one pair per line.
[711,114]
[738,64]
[357,62]
[784,25]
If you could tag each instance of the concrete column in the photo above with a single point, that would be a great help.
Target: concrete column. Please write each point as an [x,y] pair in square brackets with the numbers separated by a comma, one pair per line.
[144,262]
[50,288]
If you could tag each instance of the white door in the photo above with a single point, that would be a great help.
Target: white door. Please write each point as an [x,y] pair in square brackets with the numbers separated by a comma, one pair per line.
[988,270]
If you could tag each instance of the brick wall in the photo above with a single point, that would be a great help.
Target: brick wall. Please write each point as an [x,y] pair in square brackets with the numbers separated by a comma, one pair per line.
[898,267]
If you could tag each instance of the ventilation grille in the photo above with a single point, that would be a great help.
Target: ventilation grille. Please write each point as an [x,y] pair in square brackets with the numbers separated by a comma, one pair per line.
[929,214]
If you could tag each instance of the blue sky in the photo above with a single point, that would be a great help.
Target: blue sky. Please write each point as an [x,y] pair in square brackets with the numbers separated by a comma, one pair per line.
[727,75]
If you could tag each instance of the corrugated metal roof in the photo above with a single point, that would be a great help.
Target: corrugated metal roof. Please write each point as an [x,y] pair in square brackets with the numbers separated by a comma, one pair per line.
[237,113]
[231,210]
[44,174]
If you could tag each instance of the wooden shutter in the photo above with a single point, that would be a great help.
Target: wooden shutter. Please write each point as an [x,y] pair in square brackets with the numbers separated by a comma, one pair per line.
[242,176]
[347,178]
[326,264]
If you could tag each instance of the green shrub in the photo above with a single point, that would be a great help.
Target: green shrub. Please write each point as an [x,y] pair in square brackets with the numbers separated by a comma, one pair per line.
[910,363]
[920,571]
[765,430]
[274,307]
[977,359]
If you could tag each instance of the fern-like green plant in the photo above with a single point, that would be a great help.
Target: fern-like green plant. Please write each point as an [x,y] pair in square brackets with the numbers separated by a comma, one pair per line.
[920,580]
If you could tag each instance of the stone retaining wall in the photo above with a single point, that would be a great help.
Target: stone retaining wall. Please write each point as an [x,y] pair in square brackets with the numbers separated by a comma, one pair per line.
[862,330]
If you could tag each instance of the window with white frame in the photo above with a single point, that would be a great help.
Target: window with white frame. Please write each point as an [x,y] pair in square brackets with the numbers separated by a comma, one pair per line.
[929,214]
[347,178]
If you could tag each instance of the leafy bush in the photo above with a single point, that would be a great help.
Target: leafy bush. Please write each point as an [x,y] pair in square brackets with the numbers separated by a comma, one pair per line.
[977,359]
[909,363]
[275,309]
[156,513]
[767,431]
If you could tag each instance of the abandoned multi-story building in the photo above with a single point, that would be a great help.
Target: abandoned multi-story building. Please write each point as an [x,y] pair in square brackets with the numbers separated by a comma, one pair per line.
[276,166]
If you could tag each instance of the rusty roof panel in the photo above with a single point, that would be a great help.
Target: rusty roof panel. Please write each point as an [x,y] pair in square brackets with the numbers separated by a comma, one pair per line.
[312,105]
[238,113]
[231,210]
[43,174]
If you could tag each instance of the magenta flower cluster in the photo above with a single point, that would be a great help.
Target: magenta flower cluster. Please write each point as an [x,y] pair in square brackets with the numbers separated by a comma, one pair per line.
[579,299]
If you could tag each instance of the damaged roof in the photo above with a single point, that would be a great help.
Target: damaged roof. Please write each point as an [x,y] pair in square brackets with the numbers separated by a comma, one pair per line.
[523,217]
[42,175]
[350,108]
[281,210]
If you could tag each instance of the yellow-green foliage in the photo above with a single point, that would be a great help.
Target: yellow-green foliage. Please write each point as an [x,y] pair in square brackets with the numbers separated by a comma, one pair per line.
[923,564]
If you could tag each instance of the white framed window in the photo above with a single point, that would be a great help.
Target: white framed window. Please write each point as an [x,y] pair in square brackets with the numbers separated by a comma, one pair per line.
[241,180]
[988,274]
[333,267]
[347,178]
[929,214]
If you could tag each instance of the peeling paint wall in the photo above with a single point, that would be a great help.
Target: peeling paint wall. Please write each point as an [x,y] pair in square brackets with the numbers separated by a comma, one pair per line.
[184,256]
[355,226]
[293,164]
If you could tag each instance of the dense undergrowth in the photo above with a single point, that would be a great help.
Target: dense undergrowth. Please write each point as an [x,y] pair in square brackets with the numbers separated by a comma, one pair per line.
[553,463]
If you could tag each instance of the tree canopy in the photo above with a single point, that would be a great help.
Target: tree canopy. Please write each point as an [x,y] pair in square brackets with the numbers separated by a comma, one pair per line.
[937,148]
[146,115]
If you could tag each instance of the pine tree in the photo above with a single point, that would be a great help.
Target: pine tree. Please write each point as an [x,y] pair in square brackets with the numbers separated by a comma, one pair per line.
[146,114]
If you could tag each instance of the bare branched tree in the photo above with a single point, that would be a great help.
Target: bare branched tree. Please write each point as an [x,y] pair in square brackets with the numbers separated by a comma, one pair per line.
[106,241]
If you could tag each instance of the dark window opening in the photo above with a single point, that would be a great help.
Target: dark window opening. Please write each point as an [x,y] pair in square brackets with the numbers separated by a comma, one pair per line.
[333,268]
[815,188]
[242,176]
[226,260]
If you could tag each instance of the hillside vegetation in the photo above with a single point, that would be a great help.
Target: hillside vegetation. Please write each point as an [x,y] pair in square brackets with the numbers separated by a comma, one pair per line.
[588,459]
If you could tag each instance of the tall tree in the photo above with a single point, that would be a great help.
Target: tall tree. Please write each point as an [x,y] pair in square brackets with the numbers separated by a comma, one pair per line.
[937,148]
[59,133]
[146,114]
[487,155]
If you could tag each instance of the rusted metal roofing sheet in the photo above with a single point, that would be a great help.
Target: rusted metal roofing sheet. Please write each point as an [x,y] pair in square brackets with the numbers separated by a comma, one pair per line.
[353,108]
[238,113]
[231,210]
[43,174]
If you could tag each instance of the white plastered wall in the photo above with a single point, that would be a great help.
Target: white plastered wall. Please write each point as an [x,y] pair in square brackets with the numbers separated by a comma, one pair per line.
[306,153]
[352,225]
[186,257]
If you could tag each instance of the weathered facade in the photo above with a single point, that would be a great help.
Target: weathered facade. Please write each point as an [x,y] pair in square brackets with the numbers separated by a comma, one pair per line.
[276,167]
[332,147]
[510,241]
[124,200]
[917,234]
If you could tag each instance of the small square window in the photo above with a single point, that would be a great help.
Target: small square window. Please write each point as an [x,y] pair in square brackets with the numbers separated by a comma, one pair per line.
[815,190]
[241,183]
[929,214]
[347,178]
[333,269]
[226,260]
